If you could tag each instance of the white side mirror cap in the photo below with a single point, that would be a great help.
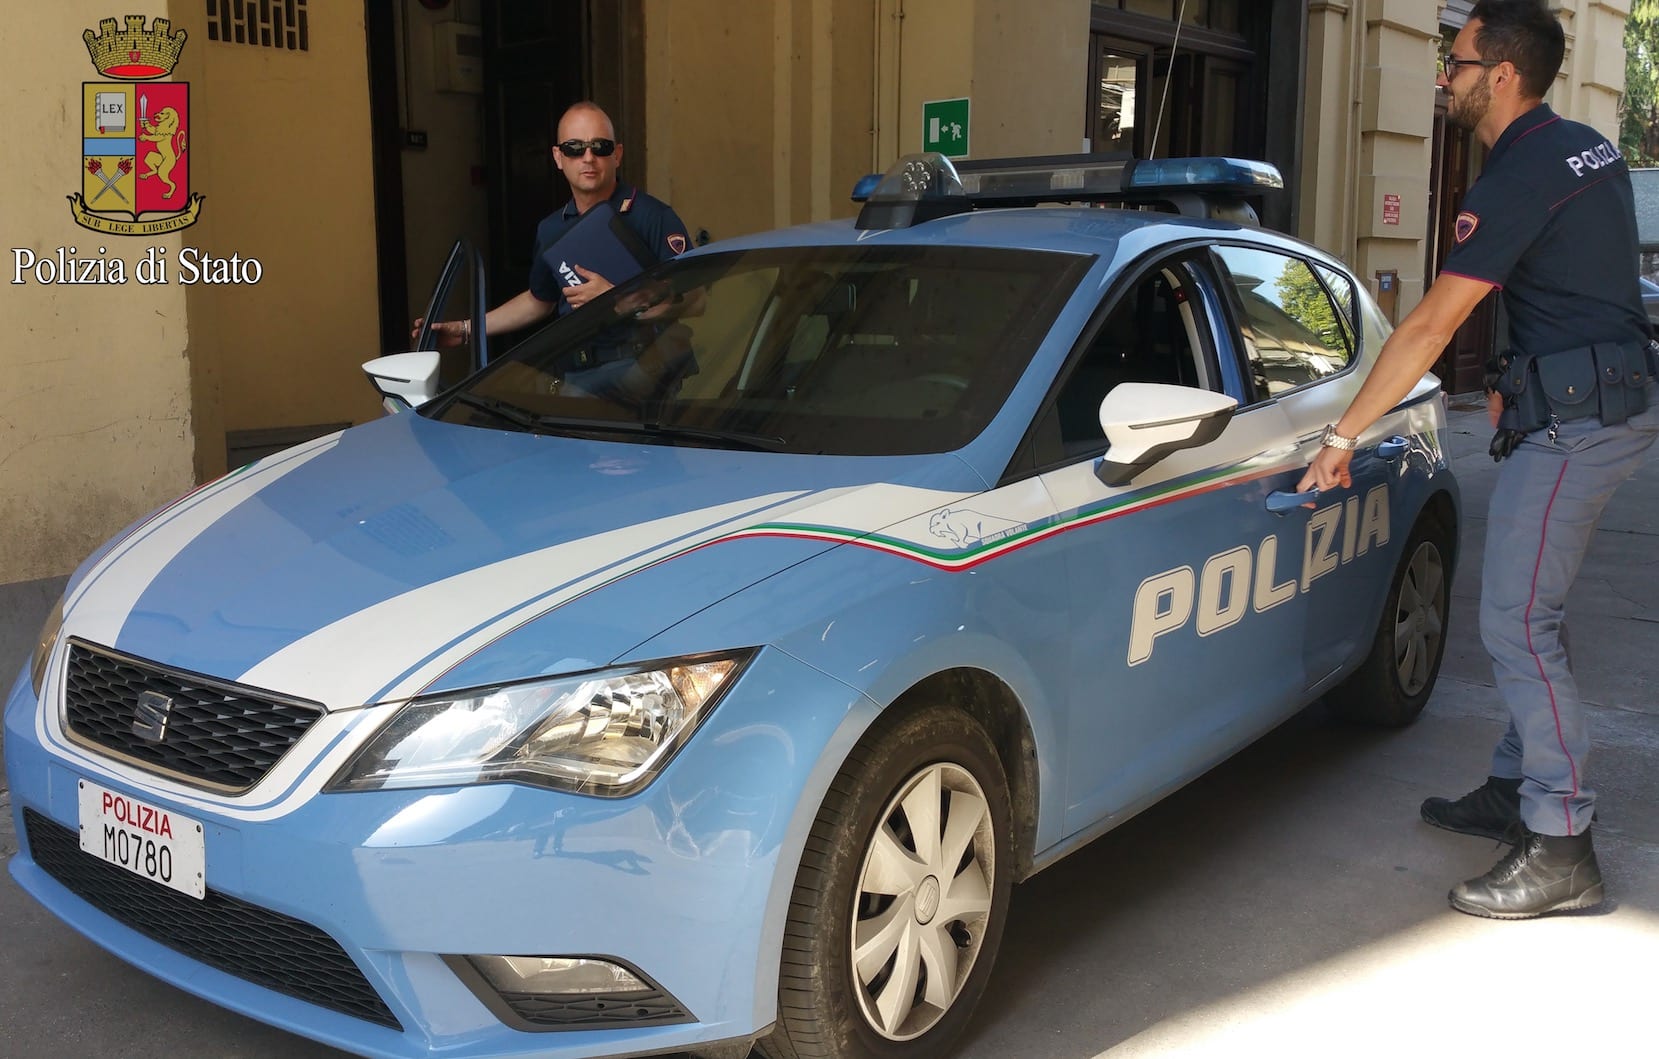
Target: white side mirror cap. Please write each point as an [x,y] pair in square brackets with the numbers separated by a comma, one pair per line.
[405,380]
[1145,421]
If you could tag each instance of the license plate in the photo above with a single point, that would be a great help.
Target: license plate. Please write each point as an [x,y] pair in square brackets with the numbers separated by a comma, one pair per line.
[156,843]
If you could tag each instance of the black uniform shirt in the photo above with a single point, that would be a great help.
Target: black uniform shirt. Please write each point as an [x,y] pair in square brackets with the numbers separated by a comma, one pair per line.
[656,224]
[1552,223]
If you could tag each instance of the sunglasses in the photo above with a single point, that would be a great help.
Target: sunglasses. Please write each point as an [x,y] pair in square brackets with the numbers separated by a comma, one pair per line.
[577,148]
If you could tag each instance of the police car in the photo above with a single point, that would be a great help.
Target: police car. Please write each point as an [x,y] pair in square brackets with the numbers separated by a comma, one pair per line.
[709,667]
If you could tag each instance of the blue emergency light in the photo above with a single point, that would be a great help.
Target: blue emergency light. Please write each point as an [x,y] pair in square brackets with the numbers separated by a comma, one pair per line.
[923,187]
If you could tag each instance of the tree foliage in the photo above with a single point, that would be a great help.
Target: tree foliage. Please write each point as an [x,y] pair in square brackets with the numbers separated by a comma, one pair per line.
[1639,110]
[1304,301]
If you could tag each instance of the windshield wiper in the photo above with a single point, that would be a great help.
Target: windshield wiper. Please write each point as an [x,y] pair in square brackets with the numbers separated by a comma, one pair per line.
[750,442]
[509,413]
[526,420]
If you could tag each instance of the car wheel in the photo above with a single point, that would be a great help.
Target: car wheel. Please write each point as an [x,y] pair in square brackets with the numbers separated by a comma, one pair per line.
[1394,682]
[901,896]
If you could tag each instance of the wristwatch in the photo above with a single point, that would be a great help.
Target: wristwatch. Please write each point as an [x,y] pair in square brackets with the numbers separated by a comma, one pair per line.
[1332,440]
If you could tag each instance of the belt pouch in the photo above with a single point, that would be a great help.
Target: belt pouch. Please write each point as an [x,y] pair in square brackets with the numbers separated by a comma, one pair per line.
[1622,373]
[1568,379]
[1525,408]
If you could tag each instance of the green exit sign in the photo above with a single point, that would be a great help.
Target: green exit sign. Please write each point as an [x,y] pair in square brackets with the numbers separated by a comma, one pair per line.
[945,127]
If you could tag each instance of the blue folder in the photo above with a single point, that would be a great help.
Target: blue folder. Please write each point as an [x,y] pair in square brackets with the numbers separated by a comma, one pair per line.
[600,241]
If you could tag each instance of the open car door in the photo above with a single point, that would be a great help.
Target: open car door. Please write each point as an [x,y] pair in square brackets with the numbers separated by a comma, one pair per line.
[408,380]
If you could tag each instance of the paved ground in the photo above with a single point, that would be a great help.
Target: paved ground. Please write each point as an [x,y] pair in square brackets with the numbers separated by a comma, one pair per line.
[1288,904]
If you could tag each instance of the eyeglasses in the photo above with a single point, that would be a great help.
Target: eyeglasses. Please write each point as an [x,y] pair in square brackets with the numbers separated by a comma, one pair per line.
[1449,65]
[577,148]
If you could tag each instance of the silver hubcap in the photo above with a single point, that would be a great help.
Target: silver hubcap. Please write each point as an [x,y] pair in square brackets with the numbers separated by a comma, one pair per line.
[1417,623]
[924,896]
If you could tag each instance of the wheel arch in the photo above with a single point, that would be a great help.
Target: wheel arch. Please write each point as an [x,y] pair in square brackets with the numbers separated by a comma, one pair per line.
[992,705]
[1443,508]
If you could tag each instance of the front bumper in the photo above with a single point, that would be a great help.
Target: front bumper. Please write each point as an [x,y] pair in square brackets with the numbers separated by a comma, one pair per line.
[687,881]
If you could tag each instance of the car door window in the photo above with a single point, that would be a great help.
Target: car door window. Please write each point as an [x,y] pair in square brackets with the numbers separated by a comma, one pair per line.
[1294,332]
[1152,333]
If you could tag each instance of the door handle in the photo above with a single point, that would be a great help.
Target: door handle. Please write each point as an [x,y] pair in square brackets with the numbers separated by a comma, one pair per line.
[1392,448]
[1280,502]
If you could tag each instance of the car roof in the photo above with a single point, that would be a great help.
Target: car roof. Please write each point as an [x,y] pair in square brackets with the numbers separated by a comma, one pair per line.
[1065,229]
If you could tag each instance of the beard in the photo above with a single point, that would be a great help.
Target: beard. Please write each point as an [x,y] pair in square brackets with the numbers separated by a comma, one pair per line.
[1470,106]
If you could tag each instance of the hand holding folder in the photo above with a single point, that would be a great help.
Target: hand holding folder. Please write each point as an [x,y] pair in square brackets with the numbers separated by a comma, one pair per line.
[601,244]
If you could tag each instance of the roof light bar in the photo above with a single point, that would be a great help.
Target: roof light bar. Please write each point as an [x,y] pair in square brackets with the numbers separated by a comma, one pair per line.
[919,187]
[1238,175]
[922,187]
[1057,178]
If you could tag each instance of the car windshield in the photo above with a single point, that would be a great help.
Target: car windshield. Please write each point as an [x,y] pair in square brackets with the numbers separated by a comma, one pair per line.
[840,350]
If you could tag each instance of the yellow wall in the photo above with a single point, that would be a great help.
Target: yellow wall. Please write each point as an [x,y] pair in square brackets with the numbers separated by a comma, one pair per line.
[95,419]
[712,153]
[116,397]
[768,114]
[1031,60]
[284,160]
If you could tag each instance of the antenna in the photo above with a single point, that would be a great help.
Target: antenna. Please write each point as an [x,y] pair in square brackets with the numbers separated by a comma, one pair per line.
[1158,125]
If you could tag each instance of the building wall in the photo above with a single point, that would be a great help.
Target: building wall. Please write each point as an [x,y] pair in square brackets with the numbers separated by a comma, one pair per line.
[284,160]
[768,113]
[117,397]
[1369,119]
[714,151]
[95,404]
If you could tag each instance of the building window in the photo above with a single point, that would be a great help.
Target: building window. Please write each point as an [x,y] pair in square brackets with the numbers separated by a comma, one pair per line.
[1116,84]
[1172,77]
[1212,14]
[263,23]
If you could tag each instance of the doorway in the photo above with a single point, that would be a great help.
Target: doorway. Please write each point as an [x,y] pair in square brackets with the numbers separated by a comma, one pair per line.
[472,156]
[534,67]
[1461,365]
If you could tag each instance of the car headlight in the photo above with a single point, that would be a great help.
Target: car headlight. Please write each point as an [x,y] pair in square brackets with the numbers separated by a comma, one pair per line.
[43,649]
[606,733]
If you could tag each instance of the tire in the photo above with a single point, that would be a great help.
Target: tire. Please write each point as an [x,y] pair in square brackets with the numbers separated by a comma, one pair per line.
[1394,682]
[916,788]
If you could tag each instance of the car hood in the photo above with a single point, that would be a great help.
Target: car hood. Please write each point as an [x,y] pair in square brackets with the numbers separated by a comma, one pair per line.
[366,565]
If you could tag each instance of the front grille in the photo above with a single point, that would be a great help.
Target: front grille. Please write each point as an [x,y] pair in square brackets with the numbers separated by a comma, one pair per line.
[253,943]
[217,734]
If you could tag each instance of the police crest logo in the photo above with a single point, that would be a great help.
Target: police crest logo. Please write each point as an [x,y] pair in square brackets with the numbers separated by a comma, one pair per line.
[677,243]
[135,133]
[1466,225]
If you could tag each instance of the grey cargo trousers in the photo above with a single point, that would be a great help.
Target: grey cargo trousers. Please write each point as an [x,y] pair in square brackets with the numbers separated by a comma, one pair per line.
[1545,506]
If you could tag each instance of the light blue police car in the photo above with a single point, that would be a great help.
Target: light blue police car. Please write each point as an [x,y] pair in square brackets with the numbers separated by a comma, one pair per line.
[708,668]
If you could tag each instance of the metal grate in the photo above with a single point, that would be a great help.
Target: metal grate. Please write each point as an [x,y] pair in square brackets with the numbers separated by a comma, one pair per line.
[263,23]
[216,734]
[264,947]
[596,1009]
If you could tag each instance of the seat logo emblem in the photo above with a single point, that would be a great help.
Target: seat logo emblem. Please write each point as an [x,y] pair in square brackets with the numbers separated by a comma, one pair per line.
[149,719]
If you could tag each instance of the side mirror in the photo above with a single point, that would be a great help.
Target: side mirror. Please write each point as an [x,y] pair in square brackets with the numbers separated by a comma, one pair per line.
[405,380]
[1146,421]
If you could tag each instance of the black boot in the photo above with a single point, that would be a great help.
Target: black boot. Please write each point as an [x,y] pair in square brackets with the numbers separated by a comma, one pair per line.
[1542,874]
[1492,810]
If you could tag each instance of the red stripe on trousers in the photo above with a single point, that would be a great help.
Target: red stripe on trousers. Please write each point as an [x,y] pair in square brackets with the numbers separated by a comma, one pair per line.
[1566,803]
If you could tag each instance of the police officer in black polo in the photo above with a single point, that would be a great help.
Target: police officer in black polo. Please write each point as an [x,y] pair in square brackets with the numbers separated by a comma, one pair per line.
[588,155]
[1550,223]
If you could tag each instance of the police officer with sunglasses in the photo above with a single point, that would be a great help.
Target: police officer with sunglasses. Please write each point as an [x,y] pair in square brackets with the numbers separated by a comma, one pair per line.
[588,155]
[1551,224]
